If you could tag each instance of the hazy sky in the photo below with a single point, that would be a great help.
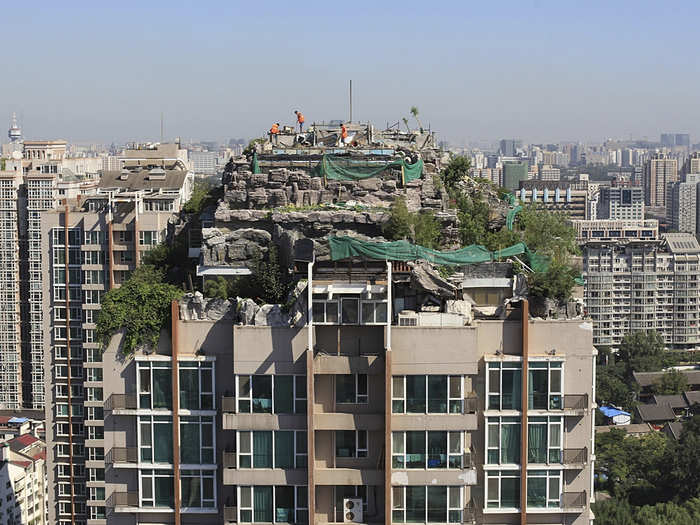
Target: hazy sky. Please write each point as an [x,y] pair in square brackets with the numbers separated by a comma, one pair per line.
[538,70]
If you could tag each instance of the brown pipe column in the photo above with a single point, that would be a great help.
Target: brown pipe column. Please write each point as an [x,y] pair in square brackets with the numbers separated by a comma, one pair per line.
[110,252]
[175,313]
[310,436]
[525,307]
[66,254]
[387,435]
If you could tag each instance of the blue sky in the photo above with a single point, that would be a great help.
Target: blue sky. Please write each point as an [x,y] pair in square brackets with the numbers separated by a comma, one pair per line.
[538,70]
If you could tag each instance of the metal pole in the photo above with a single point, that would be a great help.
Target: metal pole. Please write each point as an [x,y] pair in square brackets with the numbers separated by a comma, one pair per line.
[350,101]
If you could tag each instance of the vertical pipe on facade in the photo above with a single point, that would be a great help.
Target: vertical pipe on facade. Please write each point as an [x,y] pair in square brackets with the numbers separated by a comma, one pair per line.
[175,314]
[387,400]
[66,255]
[310,436]
[524,400]
[136,232]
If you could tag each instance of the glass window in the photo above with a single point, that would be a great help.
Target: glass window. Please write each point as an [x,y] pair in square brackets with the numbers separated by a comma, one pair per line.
[197,488]
[268,504]
[284,394]
[156,439]
[503,386]
[325,312]
[503,440]
[431,504]
[503,489]
[543,488]
[350,310]
[433,394]
[196,385]
[415,394]
[197,440]
[545,385]
[156,488]
[154,385]
[351,443]
[437,394]
[351,388]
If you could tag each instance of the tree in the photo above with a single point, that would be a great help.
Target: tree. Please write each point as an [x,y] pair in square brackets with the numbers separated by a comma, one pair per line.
[548,233]
[414,112]
[217,288]
[611,388]
[642,351]
[271,283]
[555,283]
[455,171]
[684,463]
[201,197]
[426,230]
[671,382]
[613,512]
[399,225]
[140,306]
[250,148]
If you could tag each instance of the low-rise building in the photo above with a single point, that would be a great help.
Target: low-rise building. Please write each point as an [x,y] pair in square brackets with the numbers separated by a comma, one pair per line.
[564,197]
[23,481]
[611,229]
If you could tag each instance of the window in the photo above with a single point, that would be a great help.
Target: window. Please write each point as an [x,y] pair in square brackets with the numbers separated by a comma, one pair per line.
[97,493]
[93,355]
[503,440]
[196,385]
[93,374]
[351,388]
[544,443]
[543,488]
[148,238]
[197,440]
[154,385]
[350,443]
[325,312]
[95,413]
[96,453]
[503,385]
[97,513]
[95,474]
[156,439]
[278,504]
[373,312]
[267,449]
[433,394]
[503,489]
[420,504]
[197,488]
[421,449]
[95,432]
[545,385]
[93,394]
[156,488]
[124,236]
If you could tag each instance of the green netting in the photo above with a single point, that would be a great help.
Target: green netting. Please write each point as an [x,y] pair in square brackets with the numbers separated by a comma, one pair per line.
[339,168]
[345,247]
[255,166]
[509,198]
[510,218]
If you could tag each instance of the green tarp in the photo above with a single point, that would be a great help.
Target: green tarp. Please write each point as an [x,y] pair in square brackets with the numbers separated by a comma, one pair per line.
[255,166]
[510,218]
[345,247]
[332,167]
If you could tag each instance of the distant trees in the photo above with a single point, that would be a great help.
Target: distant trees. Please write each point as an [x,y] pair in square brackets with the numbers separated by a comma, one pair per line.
[672,382]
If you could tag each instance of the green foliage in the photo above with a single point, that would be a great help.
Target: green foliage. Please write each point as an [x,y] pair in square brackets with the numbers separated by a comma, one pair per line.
[202,196]
[218,288]
[556,283]
[642,351]
[612,388]
[250,148]
[502,238]
[455,171]
[548,233]
[420,228]
[672,382]
[473,215]
[613,512]
[270,282]
[140,306]
[620,512]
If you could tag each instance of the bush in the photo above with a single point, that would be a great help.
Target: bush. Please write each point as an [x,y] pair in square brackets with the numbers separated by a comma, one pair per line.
[399,225]
[456,171]
[420,228]
[140,306]
[556,283]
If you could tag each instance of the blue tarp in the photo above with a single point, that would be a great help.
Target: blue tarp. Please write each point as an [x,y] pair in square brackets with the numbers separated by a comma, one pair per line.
[612,412]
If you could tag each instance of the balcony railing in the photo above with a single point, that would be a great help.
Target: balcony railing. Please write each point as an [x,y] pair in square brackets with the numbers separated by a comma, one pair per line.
[122,455]
[121,402]
[229,460]
[123,499]
[573,500]
[231,514]
[471,405]
[575,401]
[575,456]
[228,404]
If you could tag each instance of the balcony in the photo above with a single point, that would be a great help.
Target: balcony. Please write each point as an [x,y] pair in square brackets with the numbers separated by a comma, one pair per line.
[576,404]
[573,501]
[123,501]
[122,457]
[230,514]
[575,457]
[122,404]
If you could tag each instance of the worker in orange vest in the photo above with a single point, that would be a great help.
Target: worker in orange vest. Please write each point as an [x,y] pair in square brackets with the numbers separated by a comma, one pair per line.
[300,119]
[343,134]
[274,131]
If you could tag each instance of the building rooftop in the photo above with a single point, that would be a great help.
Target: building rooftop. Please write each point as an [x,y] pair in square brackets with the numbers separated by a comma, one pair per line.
[674,401]
[652,413]
[681,242]
[646,379]
[154,179]
[693,397]
[634,428]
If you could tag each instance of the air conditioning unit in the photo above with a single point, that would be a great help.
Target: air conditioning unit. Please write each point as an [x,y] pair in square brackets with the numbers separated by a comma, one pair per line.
[352,510]
[408,318]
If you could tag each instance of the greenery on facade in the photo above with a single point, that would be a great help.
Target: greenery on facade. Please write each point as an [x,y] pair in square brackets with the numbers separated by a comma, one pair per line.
[203,194]
[140,307]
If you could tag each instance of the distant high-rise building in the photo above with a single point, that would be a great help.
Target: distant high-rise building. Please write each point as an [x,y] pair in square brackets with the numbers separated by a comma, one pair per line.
[548,172]
[513,173]
[659,171]
[683,139]
[203,162]
[682,213]
[671,140]
[621,203]
[692,163]
[507,147]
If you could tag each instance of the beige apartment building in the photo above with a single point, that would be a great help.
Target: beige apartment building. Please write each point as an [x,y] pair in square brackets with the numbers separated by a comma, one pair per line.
[659,172]
[360,415]
[89,246]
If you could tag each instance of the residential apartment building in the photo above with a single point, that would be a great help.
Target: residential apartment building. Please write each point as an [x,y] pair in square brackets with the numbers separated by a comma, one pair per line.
[644,285]
[359,415]
[613,230]
[23,495]
[549,172]
[659,171]
[682,214]
[621,202]
[90,246]
[204,162]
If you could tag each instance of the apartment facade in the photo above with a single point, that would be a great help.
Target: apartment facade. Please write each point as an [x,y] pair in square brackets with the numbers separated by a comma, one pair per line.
[352,418]
[621,203]
[613,230]
[23,481]
[89,247]
[643,285]
[659,171]
[568,198]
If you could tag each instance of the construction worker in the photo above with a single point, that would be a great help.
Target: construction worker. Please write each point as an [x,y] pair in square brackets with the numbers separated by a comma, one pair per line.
[343,134]
[274,131]
[300,119]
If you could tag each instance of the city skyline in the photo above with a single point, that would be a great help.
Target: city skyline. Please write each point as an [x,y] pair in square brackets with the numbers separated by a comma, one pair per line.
[541,71]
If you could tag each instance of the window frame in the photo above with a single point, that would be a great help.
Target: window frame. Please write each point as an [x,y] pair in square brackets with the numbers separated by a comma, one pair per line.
[399,401]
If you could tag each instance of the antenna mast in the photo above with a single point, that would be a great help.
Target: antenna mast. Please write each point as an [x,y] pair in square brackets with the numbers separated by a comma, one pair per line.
[351,100]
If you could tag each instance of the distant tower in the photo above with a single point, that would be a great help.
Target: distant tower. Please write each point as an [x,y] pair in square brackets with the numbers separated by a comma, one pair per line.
[15,132]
